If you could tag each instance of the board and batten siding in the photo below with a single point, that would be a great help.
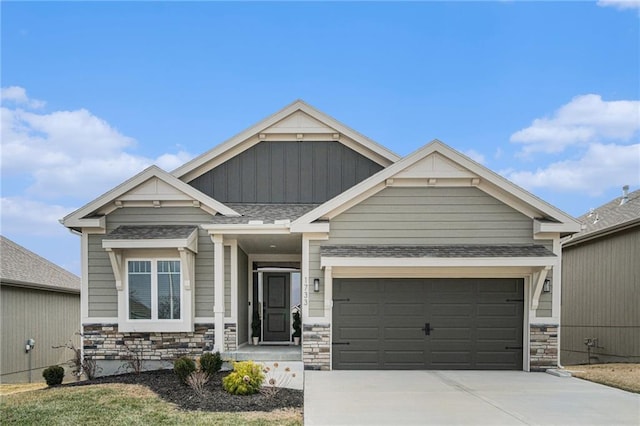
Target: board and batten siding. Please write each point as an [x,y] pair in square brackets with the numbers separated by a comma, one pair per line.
[426,216]
[600,298]
[103,299]
[286,172]
[51,318]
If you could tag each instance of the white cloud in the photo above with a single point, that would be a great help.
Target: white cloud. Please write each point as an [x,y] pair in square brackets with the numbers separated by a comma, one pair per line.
[584,120]
[602,167]
[620,4]
[18,95]
[475,156]
[21,215]
[69,152]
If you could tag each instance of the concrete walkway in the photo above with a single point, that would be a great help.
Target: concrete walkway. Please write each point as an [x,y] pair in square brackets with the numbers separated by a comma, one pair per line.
[462,398]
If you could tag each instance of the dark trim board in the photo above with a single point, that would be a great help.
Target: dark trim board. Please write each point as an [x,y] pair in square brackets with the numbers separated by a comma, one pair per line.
[416,324]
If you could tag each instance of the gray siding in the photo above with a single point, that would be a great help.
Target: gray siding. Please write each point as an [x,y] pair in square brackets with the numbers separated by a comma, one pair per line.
[103,300]
[51,318]
[413,216]
[286,172]
[243,297]
[600,295]
[316,300]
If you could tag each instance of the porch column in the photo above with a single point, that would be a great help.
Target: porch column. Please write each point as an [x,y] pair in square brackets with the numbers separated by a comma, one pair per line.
[218,295]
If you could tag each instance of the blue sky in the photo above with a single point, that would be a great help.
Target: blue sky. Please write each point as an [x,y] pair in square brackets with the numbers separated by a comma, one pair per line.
[545,93]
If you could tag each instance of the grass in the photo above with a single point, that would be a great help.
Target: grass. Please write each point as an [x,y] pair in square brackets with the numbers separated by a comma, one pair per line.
[109,404]
[621,376]
[8,389]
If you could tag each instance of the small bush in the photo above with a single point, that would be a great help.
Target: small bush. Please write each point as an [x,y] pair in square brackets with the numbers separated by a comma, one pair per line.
[197,381]
[245,379]
[184,366]
[211,363]
[53,375]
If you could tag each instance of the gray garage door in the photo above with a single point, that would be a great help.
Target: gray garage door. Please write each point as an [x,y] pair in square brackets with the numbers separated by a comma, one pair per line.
[386,324]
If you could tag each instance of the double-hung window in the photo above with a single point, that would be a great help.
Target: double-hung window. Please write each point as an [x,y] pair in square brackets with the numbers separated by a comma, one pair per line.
[155,289]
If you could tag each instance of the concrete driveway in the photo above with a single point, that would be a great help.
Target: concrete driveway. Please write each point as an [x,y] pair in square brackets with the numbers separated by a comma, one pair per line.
[462,398]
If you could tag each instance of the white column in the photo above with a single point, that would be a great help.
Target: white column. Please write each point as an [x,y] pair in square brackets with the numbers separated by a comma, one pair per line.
[218,295]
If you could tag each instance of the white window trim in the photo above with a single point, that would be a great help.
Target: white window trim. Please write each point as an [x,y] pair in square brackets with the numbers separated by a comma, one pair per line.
[184,324]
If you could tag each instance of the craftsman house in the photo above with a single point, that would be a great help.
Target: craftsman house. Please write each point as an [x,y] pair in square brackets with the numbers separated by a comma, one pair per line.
[430,261]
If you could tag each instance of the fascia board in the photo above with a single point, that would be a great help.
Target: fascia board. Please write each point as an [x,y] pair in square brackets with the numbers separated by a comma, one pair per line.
[241,137]
[323,227]
[141,244]
[36,286]
[562,227]
[458,262]
[94,222]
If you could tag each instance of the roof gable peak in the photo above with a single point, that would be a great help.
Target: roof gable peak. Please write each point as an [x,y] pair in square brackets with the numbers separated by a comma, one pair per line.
[299,122]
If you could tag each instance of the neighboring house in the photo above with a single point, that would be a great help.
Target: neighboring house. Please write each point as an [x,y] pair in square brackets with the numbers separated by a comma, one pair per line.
[601,285]
[430,261]
[40,301]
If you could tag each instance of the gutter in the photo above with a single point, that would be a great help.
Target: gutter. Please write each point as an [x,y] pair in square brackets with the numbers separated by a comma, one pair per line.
[601,233]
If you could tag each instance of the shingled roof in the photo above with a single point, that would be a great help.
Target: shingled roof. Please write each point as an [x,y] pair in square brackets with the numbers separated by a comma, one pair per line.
[609,217]
[21,267]
[268,213]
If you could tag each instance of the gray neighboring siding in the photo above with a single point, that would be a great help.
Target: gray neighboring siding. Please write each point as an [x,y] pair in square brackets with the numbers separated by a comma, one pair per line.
[414,216]
[600,294]
[286,172]
[243,297]
[51,318]
[103,300]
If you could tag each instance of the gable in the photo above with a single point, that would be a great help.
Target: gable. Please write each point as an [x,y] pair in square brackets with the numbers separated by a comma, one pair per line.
[437,165]
[287,172]
[298,122]
[153,187]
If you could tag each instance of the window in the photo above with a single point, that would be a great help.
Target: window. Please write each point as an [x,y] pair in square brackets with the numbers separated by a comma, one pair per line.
[154,289]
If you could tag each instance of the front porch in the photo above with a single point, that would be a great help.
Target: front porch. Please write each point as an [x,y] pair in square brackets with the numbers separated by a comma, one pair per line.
[265,353]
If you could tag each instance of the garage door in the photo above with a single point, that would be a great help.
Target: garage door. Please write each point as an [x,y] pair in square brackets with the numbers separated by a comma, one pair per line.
[444,324]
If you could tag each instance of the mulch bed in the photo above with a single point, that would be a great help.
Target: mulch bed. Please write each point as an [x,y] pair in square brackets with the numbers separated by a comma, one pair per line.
[167,385]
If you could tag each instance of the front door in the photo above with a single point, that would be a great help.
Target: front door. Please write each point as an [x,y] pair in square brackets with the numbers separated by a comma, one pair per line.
[277,311]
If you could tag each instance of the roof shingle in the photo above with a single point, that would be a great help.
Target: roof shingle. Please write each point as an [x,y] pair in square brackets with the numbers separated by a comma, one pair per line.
[21,266]
[151,232]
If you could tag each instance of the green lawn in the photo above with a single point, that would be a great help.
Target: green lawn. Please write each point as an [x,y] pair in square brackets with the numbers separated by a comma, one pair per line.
[110,404]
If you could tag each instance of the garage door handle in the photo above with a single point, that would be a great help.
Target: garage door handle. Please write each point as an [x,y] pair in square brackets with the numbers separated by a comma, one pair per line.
[427,329]
[513,347]
[340,343]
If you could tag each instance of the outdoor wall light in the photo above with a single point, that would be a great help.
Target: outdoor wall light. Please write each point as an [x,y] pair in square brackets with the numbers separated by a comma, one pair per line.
[546,287]
[316,284]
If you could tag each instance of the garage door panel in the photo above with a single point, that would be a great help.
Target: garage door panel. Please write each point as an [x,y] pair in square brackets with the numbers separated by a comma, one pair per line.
[449,310]
[472,322]
[404,309]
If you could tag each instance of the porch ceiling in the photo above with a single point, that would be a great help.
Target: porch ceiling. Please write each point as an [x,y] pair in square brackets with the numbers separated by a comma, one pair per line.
[269,244]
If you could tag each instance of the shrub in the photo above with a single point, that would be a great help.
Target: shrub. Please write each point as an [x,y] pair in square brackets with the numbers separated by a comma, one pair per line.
[53,375]
[197,381]
[245,379]
[184,366]
[211,363]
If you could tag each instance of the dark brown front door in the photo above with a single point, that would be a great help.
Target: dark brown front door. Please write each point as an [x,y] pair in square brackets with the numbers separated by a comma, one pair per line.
[277,312]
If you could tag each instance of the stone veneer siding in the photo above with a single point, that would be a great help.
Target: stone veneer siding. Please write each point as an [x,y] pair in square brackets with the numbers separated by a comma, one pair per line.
[543,346]
[104,342]
[230,337]
[316,346]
